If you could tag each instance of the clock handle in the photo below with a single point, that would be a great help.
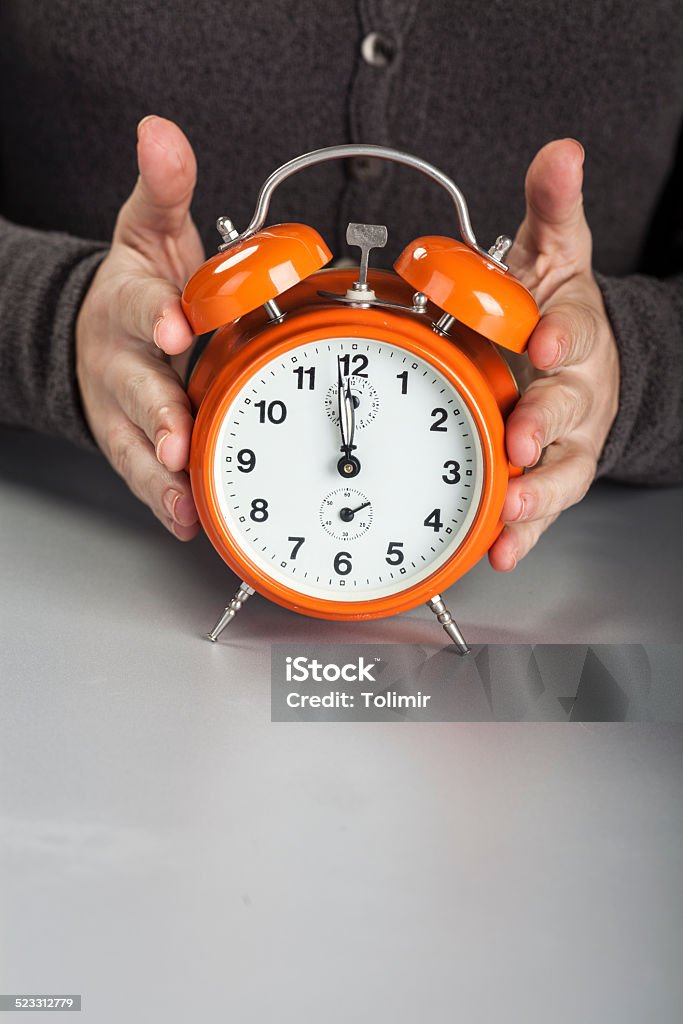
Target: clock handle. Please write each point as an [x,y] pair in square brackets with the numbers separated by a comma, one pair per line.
[496,254]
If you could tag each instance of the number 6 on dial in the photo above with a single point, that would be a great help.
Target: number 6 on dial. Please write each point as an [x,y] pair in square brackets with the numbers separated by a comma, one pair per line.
[348,456]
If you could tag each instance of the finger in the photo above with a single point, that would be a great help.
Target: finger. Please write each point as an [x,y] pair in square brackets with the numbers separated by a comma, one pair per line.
[516,541]
[554,222]
[565,335]
[151,311]
[167,494]
[160,201]
[563,479]
[548,410]
[150,394]
[181,363]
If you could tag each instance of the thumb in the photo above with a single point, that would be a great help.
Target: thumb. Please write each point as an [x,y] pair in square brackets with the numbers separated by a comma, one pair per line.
[160,202]
[555,225]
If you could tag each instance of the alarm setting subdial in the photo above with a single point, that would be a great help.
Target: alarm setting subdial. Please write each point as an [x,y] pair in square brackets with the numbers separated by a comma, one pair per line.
[346,514]
[364,398]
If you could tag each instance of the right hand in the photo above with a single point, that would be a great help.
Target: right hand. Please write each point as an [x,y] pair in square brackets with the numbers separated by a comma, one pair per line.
[131,322]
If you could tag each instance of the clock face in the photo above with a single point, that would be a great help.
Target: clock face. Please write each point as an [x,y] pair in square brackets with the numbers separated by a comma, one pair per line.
[279,469]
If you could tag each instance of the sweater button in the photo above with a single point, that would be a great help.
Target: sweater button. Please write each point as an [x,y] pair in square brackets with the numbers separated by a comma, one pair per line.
[377,50]
[365,168]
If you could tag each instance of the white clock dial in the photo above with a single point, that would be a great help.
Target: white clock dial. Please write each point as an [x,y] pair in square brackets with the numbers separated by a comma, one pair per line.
[403,515]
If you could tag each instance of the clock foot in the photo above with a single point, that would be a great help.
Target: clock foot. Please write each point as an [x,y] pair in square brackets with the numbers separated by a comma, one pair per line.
[242,595]
[443,615]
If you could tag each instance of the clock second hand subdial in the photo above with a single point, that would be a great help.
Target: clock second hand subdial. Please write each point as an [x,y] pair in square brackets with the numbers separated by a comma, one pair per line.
[347,514]
[348,465]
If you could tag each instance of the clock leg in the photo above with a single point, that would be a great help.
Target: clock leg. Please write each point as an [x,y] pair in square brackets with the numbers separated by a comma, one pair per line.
[443,615]
[242,595]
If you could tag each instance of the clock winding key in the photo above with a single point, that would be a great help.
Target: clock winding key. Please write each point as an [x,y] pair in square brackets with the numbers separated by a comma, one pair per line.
[366,237]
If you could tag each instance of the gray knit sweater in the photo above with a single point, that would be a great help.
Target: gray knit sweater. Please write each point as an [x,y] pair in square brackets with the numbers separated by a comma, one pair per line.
[474,88]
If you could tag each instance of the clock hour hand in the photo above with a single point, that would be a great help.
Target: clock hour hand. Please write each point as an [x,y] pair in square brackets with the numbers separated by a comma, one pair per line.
[350,425]
[348,465]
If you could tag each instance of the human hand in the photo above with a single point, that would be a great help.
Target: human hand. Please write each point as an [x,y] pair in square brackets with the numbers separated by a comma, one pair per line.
[561,422]
[131,322]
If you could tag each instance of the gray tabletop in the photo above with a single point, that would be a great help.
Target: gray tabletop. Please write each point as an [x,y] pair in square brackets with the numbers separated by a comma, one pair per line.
[171,854]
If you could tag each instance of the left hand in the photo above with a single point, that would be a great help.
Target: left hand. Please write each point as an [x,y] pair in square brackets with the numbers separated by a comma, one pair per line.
[561,422]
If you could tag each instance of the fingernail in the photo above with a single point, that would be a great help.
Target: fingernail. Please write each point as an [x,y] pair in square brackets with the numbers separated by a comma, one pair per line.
[513,557]
[526,508]
[184,511]
[520,511]
[157,331]
[557,351]
[582,150]
[538,440]
[159,442]
[516,509]
[148,117]
[170,499]
[180,507]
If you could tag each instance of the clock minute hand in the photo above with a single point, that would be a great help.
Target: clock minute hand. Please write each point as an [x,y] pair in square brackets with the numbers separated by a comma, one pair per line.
[344,422]
[350,414]
[348,465]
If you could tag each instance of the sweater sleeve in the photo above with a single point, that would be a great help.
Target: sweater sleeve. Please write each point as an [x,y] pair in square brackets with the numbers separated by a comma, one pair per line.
[645,444]
[44,277]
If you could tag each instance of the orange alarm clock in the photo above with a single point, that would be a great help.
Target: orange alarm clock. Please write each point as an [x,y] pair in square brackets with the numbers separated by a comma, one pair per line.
[348,457]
